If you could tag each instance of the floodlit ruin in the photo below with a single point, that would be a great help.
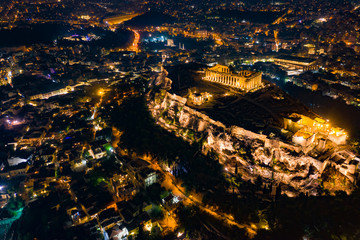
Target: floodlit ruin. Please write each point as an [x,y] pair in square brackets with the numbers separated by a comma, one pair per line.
[198,98]
[244,80]
[292,165]
[307,129]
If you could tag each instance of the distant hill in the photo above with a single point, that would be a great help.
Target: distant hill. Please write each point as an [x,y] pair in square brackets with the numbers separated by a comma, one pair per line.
[119,38]
[29,34]
[150,19]
[251,16]
[31,85]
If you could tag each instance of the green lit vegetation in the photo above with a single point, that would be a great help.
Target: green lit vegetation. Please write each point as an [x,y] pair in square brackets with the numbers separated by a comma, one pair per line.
[157,213]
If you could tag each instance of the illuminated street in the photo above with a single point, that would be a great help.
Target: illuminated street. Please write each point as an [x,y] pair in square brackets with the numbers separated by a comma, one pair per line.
[193,198]
[134,46]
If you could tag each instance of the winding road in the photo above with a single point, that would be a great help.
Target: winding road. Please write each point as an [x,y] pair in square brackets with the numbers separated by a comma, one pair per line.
[194,199]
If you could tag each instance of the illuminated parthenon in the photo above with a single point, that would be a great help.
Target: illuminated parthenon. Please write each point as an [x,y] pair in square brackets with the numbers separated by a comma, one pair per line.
[244,80]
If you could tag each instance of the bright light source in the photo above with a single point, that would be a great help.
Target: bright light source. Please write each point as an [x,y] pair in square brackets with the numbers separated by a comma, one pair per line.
[148,227]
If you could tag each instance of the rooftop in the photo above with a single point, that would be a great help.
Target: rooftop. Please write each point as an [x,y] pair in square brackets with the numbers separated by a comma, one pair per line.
[295,59]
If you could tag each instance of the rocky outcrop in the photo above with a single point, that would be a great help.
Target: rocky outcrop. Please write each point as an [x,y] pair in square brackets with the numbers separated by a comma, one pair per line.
[253,154]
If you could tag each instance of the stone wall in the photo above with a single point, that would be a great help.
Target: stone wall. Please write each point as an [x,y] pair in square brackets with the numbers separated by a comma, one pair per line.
[255,154]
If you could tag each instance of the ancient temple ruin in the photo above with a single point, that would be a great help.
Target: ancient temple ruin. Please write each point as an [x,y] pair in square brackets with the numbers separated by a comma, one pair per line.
[244,80]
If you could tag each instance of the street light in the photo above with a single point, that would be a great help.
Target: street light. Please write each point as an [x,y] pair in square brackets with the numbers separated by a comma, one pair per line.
[101,92]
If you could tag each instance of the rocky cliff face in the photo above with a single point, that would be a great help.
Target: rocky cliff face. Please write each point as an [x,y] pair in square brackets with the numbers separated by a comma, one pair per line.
[252,154]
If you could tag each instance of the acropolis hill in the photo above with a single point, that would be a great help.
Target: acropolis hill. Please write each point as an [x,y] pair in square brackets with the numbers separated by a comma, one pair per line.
[298,165]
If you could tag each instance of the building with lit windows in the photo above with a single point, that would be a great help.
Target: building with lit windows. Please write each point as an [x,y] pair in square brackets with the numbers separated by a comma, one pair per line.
[291,63]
